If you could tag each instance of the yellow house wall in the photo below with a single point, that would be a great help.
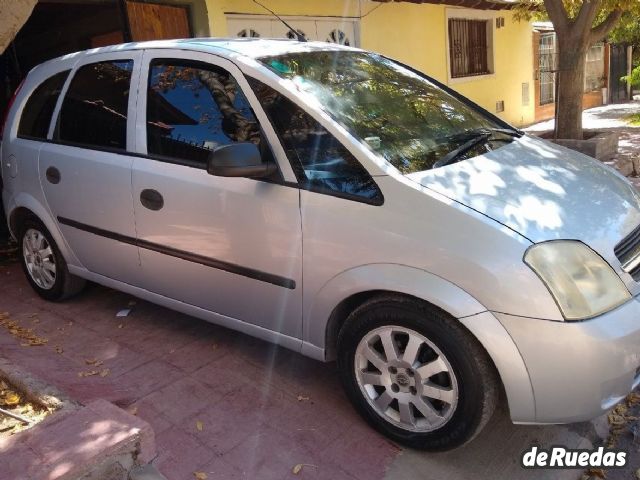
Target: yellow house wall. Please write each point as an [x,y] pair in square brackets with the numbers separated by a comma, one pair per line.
[417,35]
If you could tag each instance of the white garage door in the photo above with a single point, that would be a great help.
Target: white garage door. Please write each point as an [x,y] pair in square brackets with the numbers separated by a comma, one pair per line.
[324,29]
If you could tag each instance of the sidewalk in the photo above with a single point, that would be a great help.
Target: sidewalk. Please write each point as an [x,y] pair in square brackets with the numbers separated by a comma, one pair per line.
[611,117]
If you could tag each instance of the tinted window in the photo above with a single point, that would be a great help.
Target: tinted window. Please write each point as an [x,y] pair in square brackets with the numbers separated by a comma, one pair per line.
[94,110]
[192,108]
[36,115]
[319,160]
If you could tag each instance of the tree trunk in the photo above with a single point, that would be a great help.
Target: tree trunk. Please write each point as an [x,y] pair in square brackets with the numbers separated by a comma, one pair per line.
[13,14]
[571,62]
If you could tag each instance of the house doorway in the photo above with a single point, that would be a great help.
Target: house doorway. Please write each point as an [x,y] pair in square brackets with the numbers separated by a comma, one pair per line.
[617,88]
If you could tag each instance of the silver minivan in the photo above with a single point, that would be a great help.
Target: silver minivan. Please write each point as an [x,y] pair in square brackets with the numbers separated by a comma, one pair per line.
[343,205]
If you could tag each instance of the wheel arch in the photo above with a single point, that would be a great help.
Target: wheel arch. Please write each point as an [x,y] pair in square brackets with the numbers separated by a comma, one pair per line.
[24,207]
[352,288]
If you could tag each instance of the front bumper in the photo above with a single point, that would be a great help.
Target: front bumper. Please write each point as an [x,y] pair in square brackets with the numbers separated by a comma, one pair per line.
[579,370]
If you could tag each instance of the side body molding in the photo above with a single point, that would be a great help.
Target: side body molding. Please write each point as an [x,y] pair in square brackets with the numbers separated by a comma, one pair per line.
[437,291]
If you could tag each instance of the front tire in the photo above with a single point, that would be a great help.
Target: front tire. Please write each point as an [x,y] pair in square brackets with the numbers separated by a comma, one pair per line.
[44,265]
[416,374]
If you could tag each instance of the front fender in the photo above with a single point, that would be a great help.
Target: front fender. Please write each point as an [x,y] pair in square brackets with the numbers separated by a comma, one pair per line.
[392,277]
[439,292]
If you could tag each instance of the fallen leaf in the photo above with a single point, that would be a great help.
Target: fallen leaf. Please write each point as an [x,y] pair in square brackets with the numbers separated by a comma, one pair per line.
[11,398]
[199,425]
[616,419]
[597,472]
[88,373]
[302,398]
[297,469]
[104,372]
[59,349]
[200,475]
[121,325]
[93,361]
[638,474]
[133,410]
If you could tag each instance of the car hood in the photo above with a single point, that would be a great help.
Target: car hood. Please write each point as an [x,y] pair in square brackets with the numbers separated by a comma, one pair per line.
[543,191]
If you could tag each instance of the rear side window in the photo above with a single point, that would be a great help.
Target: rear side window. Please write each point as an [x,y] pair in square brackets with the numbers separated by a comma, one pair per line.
[94,110]
[36,116]
[321,163]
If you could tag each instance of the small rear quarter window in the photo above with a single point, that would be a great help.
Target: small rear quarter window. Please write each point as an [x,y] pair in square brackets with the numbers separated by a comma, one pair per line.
[36,115]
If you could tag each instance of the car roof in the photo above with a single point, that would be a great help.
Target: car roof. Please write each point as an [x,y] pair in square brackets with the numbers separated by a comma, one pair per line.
[226,47]
[248,47]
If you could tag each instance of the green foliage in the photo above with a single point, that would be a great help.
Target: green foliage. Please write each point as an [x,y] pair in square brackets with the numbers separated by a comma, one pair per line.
[628,31]
[634,78]
[535,9]
[634,120]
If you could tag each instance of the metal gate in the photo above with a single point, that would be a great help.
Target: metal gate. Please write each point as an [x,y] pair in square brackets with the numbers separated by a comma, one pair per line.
[547,67]
[618,88]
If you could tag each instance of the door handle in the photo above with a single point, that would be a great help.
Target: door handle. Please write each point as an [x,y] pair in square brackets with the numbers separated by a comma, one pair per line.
[53,175]
[151,199]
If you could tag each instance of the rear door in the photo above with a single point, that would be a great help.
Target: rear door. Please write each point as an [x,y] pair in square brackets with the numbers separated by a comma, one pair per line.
[232,246]
[85,168]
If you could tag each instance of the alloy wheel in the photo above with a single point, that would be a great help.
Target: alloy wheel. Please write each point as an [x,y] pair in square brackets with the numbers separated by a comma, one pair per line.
[39,258]
[406,379]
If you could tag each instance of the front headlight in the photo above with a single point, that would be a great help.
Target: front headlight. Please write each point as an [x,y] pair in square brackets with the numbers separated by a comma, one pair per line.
[581,282]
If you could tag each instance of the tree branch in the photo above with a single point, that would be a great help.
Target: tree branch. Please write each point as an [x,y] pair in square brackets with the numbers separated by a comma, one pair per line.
[587,15]
[557,14]
[598,33]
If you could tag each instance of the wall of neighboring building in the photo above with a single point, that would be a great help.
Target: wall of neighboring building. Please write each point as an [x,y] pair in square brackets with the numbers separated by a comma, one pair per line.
[590,99]
[418,36]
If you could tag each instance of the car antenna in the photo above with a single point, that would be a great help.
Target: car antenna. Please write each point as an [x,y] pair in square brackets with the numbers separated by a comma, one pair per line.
[299,36]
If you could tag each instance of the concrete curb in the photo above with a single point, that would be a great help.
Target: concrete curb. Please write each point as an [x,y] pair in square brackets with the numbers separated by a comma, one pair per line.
[36,390]
[98,441]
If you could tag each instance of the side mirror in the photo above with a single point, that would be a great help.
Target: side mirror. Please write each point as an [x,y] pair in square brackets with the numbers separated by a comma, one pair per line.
[239,160]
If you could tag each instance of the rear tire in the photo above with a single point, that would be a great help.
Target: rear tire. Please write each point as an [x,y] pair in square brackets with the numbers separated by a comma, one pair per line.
[433,386]
[43,263]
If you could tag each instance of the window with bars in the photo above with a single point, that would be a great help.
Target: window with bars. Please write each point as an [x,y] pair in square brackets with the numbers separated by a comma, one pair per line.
[594,68]
[547,66]
[469,47]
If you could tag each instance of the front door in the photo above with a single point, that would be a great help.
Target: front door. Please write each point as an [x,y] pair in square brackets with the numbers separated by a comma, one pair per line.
[231,246]
[86,168]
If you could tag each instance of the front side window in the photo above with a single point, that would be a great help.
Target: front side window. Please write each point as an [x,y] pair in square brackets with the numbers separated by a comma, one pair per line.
[320,162]
[398,114]
[36,116]
[193,108]
[94,110]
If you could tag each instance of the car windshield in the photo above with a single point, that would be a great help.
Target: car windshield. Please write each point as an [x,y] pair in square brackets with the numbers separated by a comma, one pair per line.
[397,113]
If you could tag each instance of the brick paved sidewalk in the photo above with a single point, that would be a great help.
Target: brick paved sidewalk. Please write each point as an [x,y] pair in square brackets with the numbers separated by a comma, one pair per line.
[262,409]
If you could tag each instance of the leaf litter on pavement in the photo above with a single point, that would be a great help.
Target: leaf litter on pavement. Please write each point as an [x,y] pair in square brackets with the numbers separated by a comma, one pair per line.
[16,402]
[27,336]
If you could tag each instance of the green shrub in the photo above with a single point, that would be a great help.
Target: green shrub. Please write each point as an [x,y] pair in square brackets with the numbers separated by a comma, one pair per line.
[634,78]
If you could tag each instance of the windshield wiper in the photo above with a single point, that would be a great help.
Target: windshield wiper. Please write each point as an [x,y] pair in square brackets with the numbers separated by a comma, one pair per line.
[508,131]
[453,155]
